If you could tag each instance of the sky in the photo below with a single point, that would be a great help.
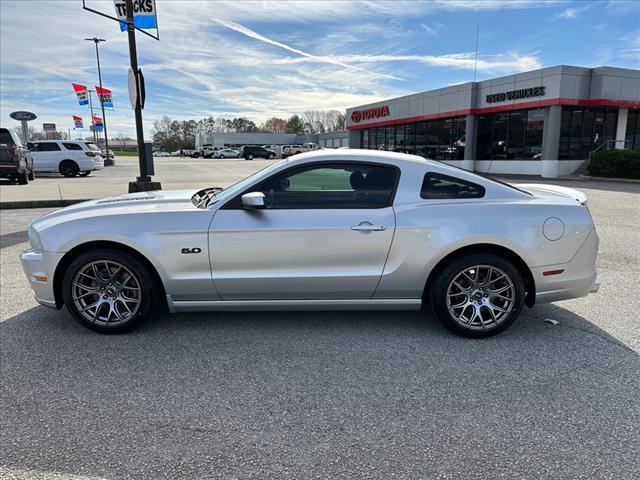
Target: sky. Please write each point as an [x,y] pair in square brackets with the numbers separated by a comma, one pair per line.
[261,59]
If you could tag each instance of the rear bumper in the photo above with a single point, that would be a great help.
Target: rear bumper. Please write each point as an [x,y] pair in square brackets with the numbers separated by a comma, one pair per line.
[8,169]
[578,277]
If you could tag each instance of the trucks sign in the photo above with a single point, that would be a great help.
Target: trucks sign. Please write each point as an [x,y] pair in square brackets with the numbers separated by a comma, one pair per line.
[144,14]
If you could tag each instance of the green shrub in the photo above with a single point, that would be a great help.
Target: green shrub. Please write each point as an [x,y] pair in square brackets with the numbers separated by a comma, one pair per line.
[616,164]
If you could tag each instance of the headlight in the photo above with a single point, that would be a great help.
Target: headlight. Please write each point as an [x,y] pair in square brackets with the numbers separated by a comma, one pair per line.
[34,238]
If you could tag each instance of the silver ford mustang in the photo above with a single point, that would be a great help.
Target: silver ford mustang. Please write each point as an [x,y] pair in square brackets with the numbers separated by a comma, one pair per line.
[331,229]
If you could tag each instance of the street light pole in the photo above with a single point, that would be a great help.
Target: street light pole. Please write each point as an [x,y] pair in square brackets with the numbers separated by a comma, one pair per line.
[108,160]
[93,124]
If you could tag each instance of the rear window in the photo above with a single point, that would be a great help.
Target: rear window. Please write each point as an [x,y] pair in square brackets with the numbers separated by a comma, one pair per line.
[92,146]
[72,146]
[439,186]
[5,136]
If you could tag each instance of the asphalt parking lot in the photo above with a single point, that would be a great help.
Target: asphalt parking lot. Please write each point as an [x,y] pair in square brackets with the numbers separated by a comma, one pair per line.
[329,394]
[173,172]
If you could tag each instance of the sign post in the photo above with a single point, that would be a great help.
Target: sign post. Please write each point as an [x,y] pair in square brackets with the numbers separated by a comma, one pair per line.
[23,118]
[142,17]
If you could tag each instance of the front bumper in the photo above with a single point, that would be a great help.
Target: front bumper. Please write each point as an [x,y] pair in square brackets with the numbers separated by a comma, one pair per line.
[39,268]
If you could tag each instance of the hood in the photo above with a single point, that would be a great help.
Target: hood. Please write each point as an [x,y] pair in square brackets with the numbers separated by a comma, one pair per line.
[542,190]
[128,203]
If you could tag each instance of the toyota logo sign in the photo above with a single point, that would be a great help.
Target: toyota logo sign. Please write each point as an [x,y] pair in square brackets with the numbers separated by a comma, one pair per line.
[369,113]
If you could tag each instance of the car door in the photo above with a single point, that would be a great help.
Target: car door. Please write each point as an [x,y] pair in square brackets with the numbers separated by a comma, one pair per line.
[47,157]
[324,233]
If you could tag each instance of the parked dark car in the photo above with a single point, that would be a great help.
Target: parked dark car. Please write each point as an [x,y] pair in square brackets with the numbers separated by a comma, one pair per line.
[249,153]
[15,159]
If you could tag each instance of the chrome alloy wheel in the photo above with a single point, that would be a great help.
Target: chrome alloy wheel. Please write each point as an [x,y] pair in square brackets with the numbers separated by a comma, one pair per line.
[480,297]
[106,293]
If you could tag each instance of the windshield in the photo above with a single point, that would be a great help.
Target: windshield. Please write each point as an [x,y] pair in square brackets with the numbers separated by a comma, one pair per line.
[236,188]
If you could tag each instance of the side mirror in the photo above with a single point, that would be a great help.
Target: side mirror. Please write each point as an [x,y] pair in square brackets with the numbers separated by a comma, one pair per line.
[253,200]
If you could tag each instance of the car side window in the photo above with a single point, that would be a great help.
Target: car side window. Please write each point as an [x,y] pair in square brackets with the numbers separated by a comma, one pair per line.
[72,146]
[47,147]
[345,186]
[440,186]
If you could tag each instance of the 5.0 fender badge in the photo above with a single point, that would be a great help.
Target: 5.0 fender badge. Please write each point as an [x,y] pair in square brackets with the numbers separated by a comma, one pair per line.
[191,250]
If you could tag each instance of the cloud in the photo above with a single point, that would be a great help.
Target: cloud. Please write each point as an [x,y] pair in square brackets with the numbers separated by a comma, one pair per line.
[568,13]
[429,29]
[571,13]
[316,58]
[466,61]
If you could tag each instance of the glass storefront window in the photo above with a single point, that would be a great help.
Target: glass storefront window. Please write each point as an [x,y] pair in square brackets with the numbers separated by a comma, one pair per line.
[433,139]
[515,146]
[513,135]
[632,135]
[421,136]
[410,137]
[400,139]
[533,135]
[584,129]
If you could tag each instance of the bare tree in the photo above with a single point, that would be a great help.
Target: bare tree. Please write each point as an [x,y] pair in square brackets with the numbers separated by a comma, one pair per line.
[321,121]
[122,140]
[274,125]
[32,133]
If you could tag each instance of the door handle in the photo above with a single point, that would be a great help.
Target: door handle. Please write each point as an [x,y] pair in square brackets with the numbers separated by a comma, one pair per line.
[368,227]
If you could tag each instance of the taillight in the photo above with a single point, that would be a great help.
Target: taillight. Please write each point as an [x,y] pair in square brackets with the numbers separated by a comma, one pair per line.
[14,149]
[90,154]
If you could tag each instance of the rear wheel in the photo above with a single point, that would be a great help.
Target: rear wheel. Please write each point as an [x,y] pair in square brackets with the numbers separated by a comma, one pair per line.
[249,157]
[478,295]
[271,156]
[22,178]
[69,168]
[32,175]
[108,291]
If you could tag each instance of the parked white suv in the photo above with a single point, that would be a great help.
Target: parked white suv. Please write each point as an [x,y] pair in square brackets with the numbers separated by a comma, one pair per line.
[67,157]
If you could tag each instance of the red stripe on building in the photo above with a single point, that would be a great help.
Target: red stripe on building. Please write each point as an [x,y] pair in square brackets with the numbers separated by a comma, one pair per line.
[578,102]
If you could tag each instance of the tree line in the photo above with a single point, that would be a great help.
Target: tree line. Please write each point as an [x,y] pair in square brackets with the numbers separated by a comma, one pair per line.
[175,134]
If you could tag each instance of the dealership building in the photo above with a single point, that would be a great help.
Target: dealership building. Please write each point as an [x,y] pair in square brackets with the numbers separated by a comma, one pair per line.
[545,122]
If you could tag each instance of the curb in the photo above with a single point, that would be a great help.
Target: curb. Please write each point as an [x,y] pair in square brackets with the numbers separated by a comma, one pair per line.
[40,204]
[587,178]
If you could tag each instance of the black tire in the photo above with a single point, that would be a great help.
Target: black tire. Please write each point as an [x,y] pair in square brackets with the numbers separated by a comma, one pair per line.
[249,157]
[440,289]
[130,262]
[69,168]
[23,178]
[271,156]
[84,174]
[32,176]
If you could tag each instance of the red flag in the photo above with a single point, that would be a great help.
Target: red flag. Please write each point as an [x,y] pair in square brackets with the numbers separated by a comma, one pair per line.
[104,94]
[81,93]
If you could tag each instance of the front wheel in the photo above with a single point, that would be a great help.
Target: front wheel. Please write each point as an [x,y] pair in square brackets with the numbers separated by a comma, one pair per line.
[69,168]
[32,176]
[249,157]
[478,295]
[271,156]
[85,173]
[108,291]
